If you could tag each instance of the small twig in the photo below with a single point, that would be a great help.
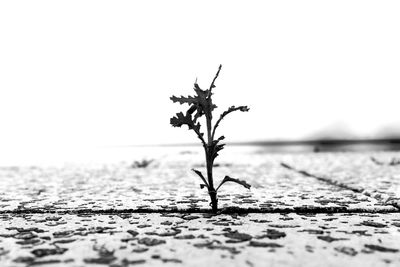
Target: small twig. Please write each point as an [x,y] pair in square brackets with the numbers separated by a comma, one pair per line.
[393,162]
[202,177]
[222,116]
[212,84]
[200,137]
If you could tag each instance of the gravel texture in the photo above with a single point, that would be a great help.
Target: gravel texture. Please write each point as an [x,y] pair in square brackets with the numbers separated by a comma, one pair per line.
[303,209]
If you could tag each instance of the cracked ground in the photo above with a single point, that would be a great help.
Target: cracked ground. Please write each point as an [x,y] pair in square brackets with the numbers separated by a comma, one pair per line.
[303,209]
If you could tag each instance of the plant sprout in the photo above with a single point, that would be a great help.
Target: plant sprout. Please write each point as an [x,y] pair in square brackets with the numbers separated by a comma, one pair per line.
[201,105]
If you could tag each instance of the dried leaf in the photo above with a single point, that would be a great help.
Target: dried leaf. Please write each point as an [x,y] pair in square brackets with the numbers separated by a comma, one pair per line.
[216,147]
[234,108]
[184,100]
[202,178]
[181,119]
[220,138]
[204,102]
[235,180]
[201,103]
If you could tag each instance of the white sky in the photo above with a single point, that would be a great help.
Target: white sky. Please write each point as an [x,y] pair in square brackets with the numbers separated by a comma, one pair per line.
[101,72]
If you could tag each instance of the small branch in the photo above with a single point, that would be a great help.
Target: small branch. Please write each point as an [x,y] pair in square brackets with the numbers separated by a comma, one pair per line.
[230,110]
[377,162]
[393,162]
[212,84]
[200,137]
[202,177]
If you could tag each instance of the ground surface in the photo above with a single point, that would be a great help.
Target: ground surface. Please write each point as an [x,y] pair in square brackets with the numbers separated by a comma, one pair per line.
[304,209]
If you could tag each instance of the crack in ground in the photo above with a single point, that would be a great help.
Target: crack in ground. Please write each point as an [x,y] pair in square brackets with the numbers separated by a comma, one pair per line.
[387,200]
[233,210]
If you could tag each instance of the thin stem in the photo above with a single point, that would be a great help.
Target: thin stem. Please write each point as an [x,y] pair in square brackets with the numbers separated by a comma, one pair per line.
[209,162]
[230,110]
[217,123]
[212,84]
[201,138]
[208,156]
[215,127]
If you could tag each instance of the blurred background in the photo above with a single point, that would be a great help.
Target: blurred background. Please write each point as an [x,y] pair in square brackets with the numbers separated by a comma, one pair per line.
[81,74]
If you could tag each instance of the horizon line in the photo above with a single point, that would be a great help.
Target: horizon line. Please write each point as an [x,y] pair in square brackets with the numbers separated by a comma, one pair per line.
[306,142]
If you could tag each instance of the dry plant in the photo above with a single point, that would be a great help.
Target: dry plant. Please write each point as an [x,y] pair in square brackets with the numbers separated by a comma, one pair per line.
[201,105]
